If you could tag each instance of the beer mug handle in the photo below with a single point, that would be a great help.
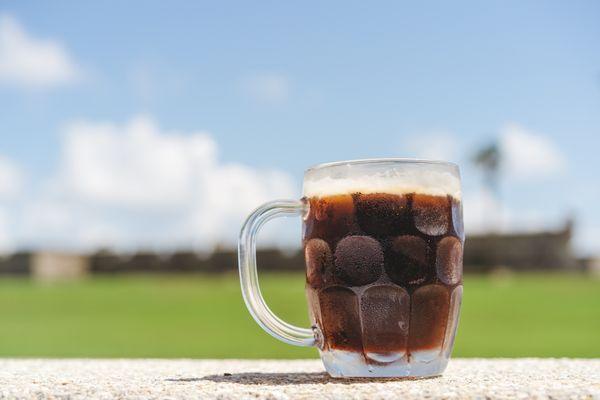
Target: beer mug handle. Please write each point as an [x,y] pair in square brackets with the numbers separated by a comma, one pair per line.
[259,310]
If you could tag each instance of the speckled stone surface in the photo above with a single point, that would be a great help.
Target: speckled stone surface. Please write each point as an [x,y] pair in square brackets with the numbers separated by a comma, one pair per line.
[300,379]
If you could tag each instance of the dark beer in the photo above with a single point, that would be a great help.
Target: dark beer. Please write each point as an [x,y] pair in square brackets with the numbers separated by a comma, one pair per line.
[384,274]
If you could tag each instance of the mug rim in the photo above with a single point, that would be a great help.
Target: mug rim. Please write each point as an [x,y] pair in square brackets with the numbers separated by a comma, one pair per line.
[384,160]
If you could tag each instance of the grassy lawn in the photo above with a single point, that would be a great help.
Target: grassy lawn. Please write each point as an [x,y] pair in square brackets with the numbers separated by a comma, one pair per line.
[204,316]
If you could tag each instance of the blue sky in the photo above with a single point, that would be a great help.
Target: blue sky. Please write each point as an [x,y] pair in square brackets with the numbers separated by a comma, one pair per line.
[277,87]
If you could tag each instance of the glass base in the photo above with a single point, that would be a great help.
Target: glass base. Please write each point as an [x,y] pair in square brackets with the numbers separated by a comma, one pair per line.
[347,364]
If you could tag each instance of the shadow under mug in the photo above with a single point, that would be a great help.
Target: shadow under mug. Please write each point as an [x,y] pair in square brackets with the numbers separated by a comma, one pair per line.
[383,244]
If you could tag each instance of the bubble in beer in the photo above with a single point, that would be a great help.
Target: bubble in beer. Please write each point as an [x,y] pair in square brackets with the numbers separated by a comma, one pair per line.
[407,261]
[431,214]
[449,257]
[319,263]
[381,214]
[358,260]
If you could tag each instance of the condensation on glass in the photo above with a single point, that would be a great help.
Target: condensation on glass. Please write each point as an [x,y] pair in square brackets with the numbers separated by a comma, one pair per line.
[383,243]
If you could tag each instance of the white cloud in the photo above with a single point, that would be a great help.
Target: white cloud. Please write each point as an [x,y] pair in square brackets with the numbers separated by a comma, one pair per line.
[135,164]
[586,239]
[135,185]
[30,61]
[10,178]
[529,155]
[432,146]
[485,212]
[525,154]
[268,88]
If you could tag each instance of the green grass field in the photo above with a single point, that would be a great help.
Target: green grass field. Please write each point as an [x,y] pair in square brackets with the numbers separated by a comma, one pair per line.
[204,316]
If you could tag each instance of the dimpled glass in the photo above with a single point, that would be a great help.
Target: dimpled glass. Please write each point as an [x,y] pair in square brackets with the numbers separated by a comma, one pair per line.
[383,243]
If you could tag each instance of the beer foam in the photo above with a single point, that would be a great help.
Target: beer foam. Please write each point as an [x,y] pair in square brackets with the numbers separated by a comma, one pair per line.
[435,183]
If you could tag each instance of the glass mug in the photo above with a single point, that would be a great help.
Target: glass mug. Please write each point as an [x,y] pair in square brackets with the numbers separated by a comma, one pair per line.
[383,243]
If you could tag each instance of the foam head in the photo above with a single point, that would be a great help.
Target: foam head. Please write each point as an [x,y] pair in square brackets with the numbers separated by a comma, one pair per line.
[394,176]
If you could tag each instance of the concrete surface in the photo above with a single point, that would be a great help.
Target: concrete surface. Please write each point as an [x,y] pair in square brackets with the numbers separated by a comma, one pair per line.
[300,379]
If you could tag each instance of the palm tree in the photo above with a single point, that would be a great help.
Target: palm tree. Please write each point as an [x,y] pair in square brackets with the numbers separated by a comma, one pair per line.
[488,159]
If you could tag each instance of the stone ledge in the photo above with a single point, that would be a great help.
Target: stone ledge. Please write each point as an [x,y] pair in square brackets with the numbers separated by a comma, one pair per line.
[298,379]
